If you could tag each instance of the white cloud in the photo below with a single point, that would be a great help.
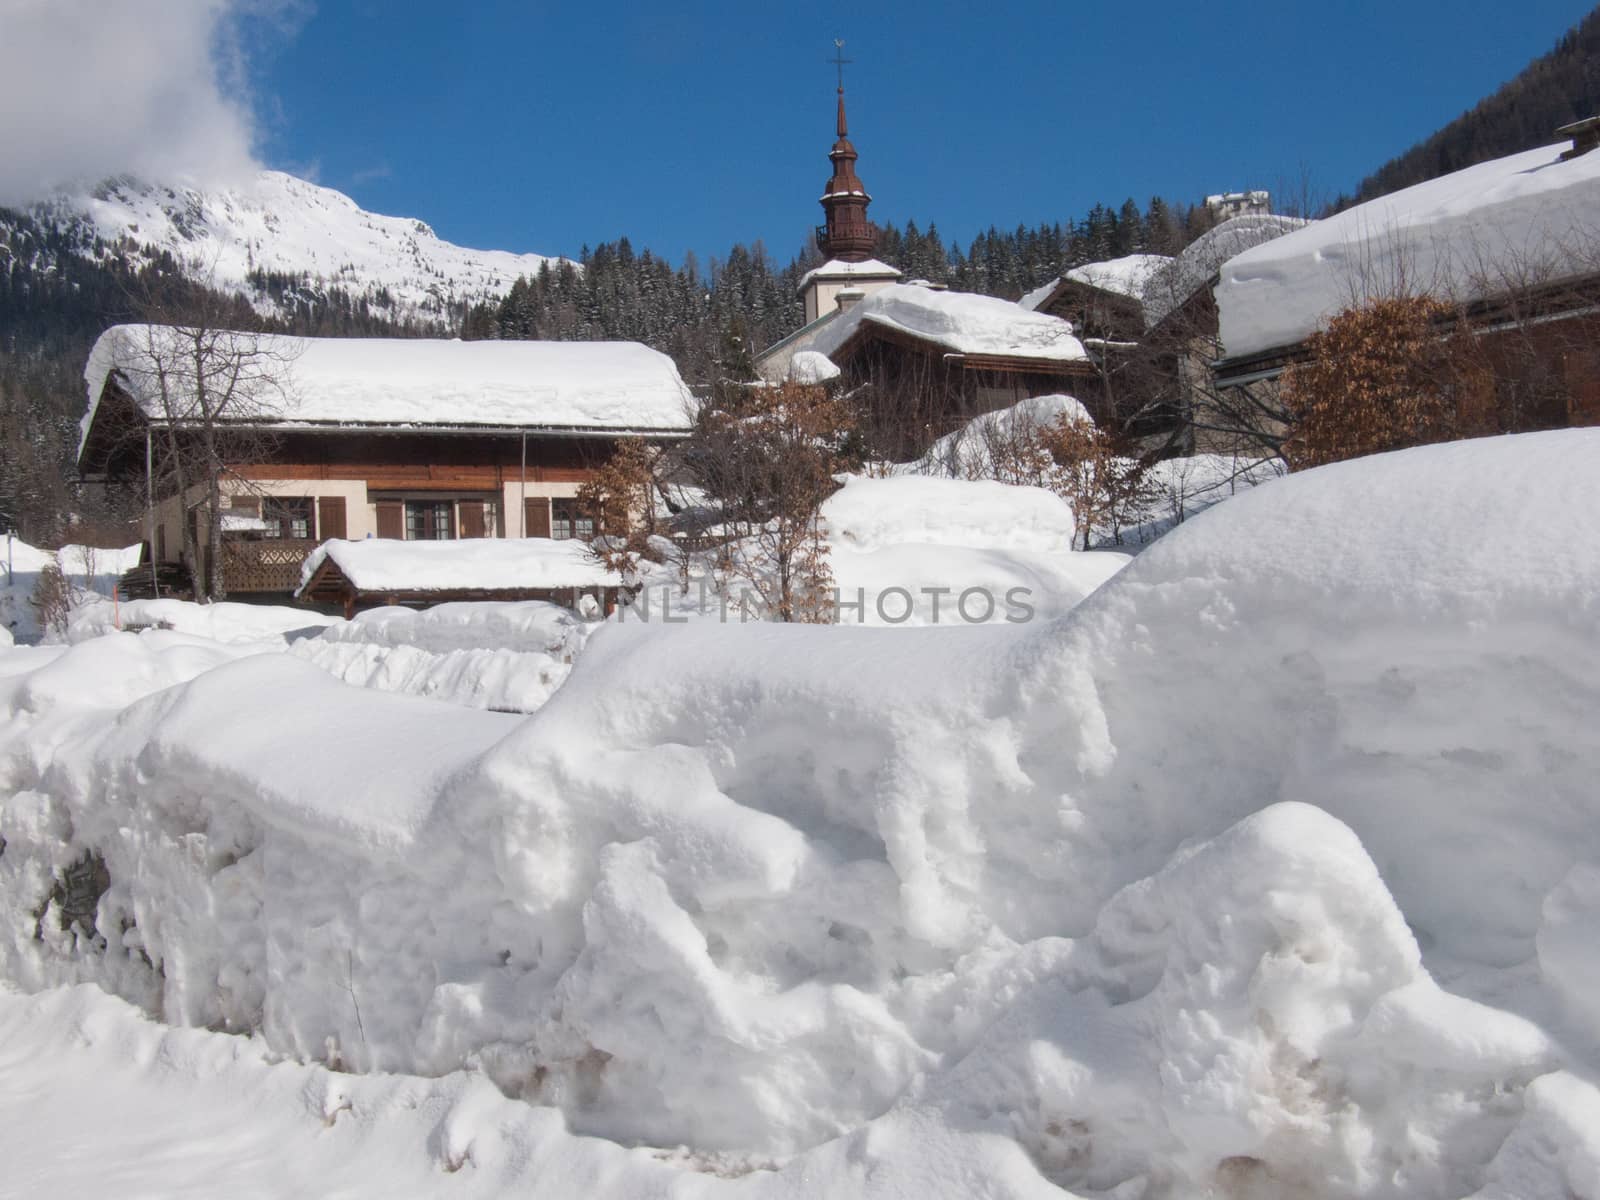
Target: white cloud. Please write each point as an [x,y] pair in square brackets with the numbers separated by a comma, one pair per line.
[91,88]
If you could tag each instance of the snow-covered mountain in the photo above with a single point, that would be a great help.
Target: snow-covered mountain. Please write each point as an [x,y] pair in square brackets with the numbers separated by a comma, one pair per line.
[276,237]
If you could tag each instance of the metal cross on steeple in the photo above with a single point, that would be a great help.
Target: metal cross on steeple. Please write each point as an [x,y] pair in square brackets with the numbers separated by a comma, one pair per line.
[840,60]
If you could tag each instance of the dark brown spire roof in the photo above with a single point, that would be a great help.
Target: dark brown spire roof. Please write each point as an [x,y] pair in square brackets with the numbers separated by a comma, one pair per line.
[848,235]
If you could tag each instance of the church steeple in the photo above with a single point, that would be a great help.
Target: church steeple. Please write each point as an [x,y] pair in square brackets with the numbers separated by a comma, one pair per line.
[848,235]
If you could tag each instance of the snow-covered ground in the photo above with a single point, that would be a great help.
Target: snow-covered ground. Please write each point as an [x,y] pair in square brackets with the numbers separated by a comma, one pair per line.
[1175,488]
[510,657]
[1270,869]
[91,573]
[924,550]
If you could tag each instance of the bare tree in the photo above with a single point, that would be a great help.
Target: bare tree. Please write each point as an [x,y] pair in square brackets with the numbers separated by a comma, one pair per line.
[767,458]
[210,396]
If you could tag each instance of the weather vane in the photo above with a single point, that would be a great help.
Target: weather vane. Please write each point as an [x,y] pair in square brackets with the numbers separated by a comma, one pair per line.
[840,60]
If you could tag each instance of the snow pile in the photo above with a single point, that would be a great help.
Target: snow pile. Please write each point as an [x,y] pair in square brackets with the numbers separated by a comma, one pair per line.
[91,572]
[868,514]
[465,564]
[958,321]
[1264,872]
[923,550]
[510,657]
[810,368]
[969,452]
[1176,488]
[229,623]
[280,225]
[406,381]
[1524,220]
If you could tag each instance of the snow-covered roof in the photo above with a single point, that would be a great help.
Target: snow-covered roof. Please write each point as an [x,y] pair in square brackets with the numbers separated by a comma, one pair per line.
[1126,276]
[1201,259]
[1160,282]
[837,268]
[611,386]
[470,564]
[1528,217]
[960,322]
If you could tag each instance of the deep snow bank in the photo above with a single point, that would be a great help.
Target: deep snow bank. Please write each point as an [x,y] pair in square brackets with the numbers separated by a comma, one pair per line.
[925,550]
[506,656]
[1158,897]
[91,572]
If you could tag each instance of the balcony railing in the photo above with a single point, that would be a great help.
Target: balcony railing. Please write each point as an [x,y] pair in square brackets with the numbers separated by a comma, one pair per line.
[270,565]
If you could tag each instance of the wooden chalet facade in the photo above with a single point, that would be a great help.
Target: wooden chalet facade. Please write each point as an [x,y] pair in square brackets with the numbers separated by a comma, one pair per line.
[360,450]
[1151,324]
[924,384]
[1539,348]
[1511,245]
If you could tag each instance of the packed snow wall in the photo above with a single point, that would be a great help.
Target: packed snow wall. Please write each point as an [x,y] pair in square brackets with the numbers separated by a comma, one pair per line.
[1268,870]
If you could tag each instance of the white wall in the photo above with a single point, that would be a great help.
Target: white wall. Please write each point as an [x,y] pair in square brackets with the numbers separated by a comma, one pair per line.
[822,293]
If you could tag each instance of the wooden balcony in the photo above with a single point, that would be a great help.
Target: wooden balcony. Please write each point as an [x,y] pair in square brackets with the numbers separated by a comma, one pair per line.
[267,565]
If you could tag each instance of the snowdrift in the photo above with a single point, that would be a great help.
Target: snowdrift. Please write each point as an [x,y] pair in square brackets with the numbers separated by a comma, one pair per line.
[91,572]
[1269,870]
[508,656]
[924,550]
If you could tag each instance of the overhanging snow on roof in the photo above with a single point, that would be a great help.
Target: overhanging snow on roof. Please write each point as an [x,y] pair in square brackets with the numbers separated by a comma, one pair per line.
[413,383]
[385,565]
[1526,219]
[959,322]
[838,268]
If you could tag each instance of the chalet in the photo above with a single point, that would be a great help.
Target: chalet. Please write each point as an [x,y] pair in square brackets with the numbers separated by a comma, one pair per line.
[405,440]
[1514,243]
[1105,301]
[1150,323]
[935,359]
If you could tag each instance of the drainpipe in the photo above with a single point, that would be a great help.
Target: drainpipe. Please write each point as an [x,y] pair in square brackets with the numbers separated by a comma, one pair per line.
[150,511]
[522,489]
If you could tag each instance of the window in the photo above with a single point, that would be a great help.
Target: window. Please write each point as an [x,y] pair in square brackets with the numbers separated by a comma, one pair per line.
[286,516]
[428,520]
[567,520]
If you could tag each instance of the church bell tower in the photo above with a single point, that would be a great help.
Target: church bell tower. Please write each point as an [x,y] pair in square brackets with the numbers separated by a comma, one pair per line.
[847,239]
[848,236]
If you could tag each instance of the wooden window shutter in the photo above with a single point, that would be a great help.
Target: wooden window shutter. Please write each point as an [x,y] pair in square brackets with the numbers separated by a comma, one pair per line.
[330,517]
[472,523]
[536,517]
[391,519]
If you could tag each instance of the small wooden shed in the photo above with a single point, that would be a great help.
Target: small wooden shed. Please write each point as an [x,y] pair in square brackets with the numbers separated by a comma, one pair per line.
[379,571]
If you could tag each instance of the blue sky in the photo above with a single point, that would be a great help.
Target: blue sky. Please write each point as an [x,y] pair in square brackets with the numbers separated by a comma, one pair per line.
[540,127]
